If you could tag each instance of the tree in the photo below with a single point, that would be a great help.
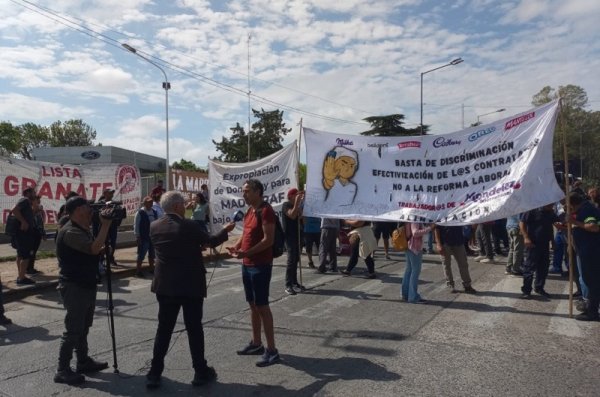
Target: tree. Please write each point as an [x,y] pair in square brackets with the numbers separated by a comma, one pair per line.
[234,149]
[71,133]
[266,137]
[302,175]
[9,139]
[580,128]
[186,165]
[391,125]
[32,136]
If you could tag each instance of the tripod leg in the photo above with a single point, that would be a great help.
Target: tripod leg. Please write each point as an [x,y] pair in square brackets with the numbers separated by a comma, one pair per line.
[111,307]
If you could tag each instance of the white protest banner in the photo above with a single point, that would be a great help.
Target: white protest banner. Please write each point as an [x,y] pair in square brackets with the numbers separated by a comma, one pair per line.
[277,173]
[53,182]
[475,175]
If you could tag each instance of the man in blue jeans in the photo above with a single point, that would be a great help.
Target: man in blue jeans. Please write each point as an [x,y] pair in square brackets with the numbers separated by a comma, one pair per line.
[255,249]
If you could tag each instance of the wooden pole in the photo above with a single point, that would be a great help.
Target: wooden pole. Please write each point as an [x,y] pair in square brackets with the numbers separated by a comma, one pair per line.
[299,215]
[568,212]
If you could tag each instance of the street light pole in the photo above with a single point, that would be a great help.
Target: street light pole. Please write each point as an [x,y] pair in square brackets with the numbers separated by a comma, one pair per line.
[485,114]
[451,63]
[166,86]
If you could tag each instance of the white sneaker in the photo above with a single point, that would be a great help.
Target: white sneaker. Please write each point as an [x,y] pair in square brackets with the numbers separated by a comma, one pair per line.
[487,260]
[480,258]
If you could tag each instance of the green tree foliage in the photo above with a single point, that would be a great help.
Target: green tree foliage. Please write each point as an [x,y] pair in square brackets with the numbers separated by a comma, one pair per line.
[71,133]
[266,137]
[302,175]
[391,125]
[187,165]
[9,139]
[577,127]
[32,136]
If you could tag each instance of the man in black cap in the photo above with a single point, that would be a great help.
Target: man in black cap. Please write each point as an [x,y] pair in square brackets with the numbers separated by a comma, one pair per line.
[77,252]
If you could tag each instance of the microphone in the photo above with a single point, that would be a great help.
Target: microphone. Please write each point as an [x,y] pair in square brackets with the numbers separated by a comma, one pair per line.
[237,216]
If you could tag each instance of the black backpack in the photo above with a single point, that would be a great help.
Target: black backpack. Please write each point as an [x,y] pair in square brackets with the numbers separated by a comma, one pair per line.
[279,238]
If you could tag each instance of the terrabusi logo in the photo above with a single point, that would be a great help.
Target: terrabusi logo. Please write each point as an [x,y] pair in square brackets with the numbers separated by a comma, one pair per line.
[476,135]
[519,120]
[409,144]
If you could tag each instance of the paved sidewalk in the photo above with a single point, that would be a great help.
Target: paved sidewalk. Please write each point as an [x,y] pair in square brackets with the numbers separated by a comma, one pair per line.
[124,256]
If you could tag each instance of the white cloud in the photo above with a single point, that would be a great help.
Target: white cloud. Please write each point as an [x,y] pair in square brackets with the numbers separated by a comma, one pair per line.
[21,109]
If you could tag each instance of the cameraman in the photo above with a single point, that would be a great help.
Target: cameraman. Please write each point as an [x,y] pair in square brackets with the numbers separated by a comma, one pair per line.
[111,240]
[77,252]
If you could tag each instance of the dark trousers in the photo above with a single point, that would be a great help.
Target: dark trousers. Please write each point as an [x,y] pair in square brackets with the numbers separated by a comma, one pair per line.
[80,303]
[1,301]
[537,260]
[37,240]
[168,310]
[327,248]
[591,277]
[293,256]
[484,237]
[353,260]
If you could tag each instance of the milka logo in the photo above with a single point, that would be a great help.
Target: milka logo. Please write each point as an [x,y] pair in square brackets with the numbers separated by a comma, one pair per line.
[343,142]
[476,135]
[441,142]
[521,119]
[408,144]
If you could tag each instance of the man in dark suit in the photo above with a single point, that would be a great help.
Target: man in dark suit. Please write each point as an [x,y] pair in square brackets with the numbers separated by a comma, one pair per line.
[180,282]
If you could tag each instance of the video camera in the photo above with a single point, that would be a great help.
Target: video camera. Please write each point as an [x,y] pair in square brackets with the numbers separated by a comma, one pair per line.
[110,210]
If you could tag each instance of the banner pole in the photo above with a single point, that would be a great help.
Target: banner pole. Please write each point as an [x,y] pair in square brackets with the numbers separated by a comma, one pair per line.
[300,215]
[568,212]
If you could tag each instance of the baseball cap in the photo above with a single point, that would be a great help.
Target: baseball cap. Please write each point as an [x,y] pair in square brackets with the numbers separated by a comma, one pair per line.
[291,192]
[75,202]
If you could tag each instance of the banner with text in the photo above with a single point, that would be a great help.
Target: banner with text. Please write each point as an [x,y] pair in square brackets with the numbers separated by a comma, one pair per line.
[478,174]
[53,182]
[188,182]
[277,173]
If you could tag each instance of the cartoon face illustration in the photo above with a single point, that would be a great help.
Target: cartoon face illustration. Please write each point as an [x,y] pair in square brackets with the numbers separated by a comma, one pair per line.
[339,167]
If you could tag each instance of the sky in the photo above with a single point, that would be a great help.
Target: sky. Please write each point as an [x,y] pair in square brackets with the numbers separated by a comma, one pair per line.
[327,63]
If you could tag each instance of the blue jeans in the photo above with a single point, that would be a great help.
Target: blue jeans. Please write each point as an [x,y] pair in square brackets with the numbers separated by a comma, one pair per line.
[560,245]
[584,288]
[410,281]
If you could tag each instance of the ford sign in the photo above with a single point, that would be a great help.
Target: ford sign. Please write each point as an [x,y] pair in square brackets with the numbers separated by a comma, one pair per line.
[476,135]
[90,155]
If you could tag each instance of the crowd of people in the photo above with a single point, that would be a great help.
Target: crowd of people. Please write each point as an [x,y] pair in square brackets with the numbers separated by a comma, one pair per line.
[174,244]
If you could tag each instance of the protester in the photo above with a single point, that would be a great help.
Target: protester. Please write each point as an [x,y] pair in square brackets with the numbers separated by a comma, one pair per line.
[77,252]
[536,228]
[560,243]
[156,204]
[363,244]
[291,210]
[141,228]
[594,195]
[158,190]
[516,246]
[25,235]
[180,283]
[414,257]
[330,229]
[255,249]
[586,235]
[312,237]
[449,242]
[484,237]
[205,192]
[39,234]
[199,209]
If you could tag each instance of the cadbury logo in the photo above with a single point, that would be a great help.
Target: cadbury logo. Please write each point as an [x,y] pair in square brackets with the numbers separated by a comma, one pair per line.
[521,119]
[442,142]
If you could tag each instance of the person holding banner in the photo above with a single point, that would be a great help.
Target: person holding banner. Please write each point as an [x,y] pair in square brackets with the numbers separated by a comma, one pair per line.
[586,235]
[291,211]
[414,258]
[449,242]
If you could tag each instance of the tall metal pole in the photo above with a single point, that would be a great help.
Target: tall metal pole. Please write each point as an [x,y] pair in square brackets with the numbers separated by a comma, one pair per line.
[166,86]
[451,63]
[249,108]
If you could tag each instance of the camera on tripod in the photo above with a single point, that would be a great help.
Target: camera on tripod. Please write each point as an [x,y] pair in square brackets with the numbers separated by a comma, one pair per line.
[110,210]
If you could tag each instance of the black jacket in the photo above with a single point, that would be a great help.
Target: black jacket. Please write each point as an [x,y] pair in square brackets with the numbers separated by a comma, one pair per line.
[179,268]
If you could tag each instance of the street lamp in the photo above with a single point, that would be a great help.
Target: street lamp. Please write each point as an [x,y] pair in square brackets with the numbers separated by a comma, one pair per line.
[485,114]
[451,63]
[166,86]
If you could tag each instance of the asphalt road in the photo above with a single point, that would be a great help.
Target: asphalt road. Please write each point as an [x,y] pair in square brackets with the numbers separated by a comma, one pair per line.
[346,336]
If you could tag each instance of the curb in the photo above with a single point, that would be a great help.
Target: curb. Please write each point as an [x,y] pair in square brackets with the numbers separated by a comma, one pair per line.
[118,273]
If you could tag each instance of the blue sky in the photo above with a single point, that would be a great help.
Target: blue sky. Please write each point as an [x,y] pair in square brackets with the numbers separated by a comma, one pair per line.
[329,62]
